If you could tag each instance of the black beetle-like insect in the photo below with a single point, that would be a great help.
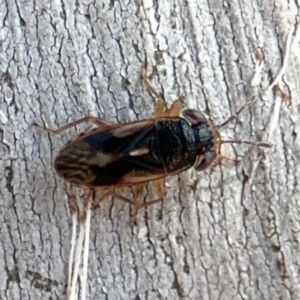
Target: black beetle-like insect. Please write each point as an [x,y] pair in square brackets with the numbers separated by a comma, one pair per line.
[131,154]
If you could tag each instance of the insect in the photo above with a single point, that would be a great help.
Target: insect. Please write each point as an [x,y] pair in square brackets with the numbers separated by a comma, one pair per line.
[131,154]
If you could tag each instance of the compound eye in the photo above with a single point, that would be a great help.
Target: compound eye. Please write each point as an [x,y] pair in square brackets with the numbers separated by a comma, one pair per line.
[203,161]
[195,117]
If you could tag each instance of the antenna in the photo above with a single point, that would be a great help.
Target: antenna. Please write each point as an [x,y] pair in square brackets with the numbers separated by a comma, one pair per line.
[249,102]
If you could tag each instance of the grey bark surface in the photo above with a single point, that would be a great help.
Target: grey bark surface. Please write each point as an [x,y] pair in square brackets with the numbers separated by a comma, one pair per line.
[227,233]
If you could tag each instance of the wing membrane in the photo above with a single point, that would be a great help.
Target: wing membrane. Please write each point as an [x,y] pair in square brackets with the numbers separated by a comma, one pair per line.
[101,158]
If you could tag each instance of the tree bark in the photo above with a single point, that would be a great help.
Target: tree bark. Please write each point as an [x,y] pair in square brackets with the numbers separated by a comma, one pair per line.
[231,232]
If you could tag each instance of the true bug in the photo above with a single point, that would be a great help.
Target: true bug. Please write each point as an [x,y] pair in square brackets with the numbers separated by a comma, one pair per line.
[131,154]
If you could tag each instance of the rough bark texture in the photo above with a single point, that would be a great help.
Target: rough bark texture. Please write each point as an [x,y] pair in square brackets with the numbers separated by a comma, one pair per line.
[227,233]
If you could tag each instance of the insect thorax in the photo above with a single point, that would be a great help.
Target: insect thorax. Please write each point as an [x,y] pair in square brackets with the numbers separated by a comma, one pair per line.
[175,143]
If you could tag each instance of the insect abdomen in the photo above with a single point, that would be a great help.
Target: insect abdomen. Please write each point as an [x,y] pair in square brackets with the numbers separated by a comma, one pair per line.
[77,161]
[83,171]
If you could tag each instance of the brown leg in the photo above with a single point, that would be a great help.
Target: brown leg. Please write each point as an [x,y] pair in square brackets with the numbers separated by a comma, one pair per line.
[160,186]
[149,87]
[160,106]
[175,109]
[90,119]
[112,193]
[161,109]
[137,191]
[220,158]
[103,197]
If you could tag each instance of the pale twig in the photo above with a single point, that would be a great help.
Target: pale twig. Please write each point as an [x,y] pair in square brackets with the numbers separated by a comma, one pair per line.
[273,121]
[285,59]
[71,259]
[87,223]
[78,252]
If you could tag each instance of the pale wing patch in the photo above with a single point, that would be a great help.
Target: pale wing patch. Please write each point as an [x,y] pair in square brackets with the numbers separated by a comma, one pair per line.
[103,159]
[139,152]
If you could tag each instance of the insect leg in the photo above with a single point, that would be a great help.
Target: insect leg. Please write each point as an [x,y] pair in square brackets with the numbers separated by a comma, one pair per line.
[220,158]
[160,186]
[90,119]
[149,87]
[117,196]
[112,193]
[175,109]
[160,106]
[160,109]
[103,197]
[137,191]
